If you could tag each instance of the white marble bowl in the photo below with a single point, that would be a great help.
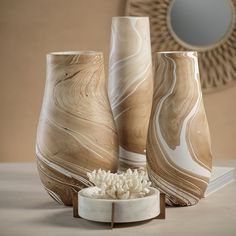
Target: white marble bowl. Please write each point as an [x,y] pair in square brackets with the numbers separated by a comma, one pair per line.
[128,210]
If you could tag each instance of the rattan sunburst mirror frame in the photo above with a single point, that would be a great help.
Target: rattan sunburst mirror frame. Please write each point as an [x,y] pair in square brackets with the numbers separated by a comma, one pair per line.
[217,62]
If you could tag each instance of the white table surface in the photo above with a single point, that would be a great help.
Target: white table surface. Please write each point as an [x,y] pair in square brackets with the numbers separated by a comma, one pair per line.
[26,209]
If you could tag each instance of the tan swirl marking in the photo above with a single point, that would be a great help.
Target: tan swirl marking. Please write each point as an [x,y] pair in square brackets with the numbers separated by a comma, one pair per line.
[177,162]
[130,85]
[76,131]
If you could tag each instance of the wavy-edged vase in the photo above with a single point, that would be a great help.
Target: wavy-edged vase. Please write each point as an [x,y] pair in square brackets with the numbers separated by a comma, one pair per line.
[130,87]
[179,158]
[76,131]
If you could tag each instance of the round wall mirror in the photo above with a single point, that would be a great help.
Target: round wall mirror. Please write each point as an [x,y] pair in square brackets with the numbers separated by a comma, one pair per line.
[201,23]
[206,26]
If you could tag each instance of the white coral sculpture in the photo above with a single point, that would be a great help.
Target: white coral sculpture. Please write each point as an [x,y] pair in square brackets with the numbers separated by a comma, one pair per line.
[125,185]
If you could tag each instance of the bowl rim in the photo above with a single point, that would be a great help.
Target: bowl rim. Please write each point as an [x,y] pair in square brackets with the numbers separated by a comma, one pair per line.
[154,192]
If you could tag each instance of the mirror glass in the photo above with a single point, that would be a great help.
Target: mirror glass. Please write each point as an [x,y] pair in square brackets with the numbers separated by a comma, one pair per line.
[201,23]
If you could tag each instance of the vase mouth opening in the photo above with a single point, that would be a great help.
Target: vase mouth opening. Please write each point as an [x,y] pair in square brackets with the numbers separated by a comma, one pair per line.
[176,52]
[73,53]
[130,17]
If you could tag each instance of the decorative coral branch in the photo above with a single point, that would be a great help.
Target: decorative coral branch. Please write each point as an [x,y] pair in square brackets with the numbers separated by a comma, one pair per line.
[124,185]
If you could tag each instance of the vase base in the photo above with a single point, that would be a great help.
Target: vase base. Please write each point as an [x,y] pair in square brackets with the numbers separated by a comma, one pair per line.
[59,187]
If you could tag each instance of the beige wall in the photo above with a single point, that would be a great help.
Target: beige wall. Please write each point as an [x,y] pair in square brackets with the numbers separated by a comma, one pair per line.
[31,28]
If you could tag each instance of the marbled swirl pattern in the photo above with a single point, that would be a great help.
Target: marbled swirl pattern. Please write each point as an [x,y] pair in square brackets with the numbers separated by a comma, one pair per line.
[76,131]
[131,86]
[178,146]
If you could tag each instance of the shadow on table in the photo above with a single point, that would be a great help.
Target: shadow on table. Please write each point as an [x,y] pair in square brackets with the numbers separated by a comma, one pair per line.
[64,218]
[38,200]
[27,200]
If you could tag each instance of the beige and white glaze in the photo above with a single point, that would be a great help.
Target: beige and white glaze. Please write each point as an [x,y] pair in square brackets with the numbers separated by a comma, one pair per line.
[178,145]
[76,131]
[130,87]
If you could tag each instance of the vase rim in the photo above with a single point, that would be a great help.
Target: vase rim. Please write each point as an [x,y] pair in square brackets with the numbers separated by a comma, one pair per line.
[71,53]
[138,17]
[175,52]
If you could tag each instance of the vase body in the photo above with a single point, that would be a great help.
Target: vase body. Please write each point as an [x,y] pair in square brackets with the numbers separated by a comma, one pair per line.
[178,145]
[76,131]
[130,87]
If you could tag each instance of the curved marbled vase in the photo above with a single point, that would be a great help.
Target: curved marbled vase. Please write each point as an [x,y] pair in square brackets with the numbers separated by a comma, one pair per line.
[76,130]
[130,87]
[178,145]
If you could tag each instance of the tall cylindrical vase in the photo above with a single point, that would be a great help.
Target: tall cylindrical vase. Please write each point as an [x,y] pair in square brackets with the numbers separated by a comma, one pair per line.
[76,131]
[130,87]
[178,145]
